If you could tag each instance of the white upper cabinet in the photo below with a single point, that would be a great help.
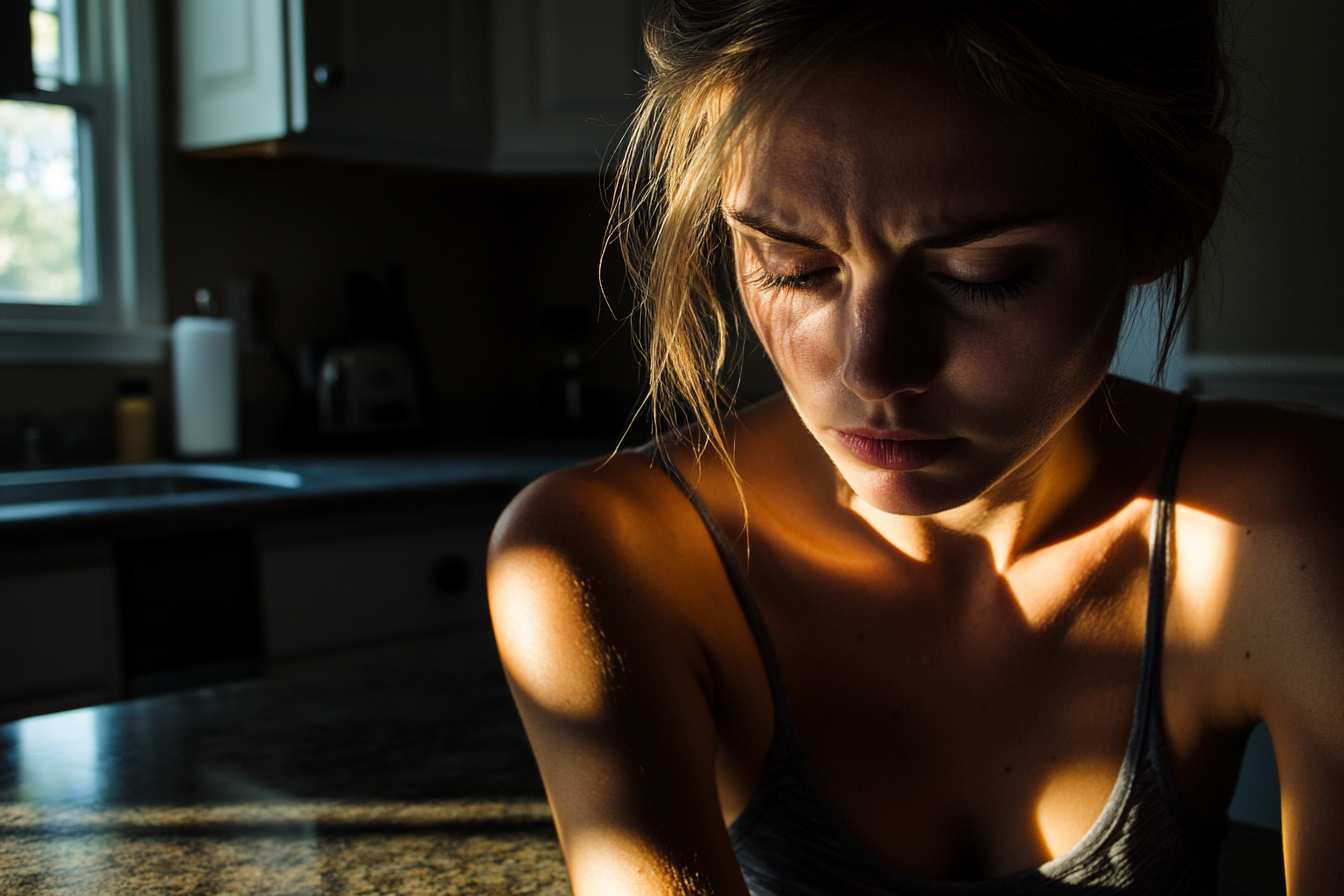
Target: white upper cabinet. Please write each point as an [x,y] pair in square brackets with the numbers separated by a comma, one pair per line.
[565,79]
[232,73]
[526,86]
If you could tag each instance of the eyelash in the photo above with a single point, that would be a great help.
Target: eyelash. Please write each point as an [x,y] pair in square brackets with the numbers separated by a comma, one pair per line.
[766,280]
[995,292]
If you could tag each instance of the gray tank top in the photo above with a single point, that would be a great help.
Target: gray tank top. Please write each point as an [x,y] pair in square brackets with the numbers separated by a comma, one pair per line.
[790,841]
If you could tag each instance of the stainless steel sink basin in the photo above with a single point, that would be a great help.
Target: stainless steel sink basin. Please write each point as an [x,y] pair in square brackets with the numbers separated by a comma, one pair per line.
[136,481]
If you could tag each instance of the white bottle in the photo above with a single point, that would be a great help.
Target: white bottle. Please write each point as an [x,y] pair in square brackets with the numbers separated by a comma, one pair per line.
[205,384]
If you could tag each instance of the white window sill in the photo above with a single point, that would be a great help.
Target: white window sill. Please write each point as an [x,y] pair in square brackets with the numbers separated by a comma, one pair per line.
[57,342]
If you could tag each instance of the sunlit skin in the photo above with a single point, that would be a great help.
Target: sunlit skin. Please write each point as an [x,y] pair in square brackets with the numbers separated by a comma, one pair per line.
[959,624]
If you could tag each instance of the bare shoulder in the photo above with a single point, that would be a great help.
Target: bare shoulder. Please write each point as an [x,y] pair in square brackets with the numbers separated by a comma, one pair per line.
[603,520]
[603,559]
[1265,461]
[1259,526]
[604,589]
[593,509]
[1261,512]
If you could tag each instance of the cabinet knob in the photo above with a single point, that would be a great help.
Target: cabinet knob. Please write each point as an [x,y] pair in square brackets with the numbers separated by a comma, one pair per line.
[327,77]
[450,575]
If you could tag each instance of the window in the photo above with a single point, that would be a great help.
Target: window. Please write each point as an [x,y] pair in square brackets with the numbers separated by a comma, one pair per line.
[42,224]
[79,222]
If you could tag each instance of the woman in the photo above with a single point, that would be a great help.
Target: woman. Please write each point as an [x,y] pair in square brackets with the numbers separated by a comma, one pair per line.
[930,620]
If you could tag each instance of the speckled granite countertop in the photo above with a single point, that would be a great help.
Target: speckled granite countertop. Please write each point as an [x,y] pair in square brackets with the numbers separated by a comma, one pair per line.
[399,769]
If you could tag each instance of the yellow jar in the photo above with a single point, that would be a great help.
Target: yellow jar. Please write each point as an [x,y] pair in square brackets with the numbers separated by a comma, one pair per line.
[135,422]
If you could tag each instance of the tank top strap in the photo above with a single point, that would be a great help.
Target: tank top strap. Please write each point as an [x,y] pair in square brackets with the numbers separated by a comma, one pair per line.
[737,579]
[1146,710]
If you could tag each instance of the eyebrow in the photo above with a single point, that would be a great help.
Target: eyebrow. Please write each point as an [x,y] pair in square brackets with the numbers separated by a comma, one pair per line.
[979,230]
[766,227]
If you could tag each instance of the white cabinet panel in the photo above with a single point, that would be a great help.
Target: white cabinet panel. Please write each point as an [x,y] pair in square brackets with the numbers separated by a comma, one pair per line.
[565,80]
[529,86]
[58,636]
[231,72]
[359,587]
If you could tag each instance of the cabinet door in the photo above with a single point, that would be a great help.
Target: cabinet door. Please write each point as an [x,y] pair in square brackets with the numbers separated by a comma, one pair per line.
[529,86]
[566,75]
[58,637]
[397,80]
[231,72]
[340,589]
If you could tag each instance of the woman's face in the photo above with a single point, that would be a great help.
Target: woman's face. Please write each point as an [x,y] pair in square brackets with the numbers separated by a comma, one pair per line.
[939,284]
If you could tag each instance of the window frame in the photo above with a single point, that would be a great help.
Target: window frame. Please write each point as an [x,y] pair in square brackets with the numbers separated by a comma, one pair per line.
[116,101]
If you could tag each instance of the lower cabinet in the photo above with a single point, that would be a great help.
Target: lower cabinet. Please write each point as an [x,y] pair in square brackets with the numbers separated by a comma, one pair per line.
[343,583]
[59,645]
[96,622]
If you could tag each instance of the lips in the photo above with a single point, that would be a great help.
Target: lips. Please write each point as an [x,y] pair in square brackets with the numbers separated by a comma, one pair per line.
[901,455]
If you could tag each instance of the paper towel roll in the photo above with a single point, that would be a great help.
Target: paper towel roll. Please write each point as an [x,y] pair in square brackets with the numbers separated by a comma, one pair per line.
[205,386]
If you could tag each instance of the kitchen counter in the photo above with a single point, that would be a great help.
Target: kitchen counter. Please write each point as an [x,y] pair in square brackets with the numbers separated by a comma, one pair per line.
[129,581]
[396,769]
[368,484]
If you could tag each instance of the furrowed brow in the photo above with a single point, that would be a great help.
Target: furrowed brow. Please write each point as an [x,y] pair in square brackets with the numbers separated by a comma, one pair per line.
[961,236]
[766,227]
[980,230]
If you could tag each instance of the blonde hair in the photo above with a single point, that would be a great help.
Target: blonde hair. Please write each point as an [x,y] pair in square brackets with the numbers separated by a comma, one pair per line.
[1149,76]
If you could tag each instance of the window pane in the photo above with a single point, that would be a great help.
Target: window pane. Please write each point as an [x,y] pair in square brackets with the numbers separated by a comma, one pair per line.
[39,204]
[46,39]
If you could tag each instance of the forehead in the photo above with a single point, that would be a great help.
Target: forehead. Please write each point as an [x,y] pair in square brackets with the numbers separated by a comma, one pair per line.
[888,142]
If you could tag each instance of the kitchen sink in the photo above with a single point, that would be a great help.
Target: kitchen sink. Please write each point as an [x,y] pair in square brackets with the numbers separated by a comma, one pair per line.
[135,481]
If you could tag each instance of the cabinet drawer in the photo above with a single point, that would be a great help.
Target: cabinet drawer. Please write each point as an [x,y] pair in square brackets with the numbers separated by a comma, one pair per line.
[356,588]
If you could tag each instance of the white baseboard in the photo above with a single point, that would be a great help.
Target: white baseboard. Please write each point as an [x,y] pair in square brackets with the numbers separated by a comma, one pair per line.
[1316,380]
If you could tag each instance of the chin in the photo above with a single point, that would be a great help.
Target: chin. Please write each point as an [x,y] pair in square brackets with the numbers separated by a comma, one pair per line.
[916,493]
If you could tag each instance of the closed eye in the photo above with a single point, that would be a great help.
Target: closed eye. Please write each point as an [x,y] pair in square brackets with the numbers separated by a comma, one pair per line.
[994,291]
[806,280]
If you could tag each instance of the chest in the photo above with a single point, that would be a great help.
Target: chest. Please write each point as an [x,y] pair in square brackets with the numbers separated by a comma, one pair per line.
[964,723]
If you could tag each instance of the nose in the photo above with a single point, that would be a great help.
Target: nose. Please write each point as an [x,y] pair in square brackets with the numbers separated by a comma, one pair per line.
[894,340]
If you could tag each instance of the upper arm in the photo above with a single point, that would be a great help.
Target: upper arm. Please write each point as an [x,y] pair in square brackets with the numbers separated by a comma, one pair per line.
[1300,691]
[1287,633]
[612,683]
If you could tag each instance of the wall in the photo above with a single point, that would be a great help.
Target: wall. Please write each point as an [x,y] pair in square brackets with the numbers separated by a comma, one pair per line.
[483,261]
[1273,288]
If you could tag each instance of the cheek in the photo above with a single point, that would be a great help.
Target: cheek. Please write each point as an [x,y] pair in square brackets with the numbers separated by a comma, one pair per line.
[1038,368]
[1090,318]
[1070,328]
[794,327]
[797,335]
